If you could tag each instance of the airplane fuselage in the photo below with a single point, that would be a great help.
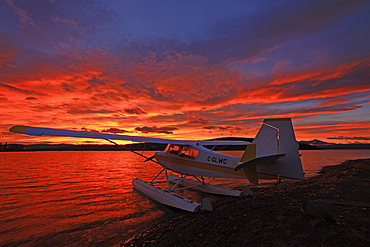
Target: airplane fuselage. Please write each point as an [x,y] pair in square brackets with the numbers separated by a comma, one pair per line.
[198,161]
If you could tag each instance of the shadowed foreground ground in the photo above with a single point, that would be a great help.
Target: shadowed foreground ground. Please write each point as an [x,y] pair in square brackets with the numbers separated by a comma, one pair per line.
[273,216]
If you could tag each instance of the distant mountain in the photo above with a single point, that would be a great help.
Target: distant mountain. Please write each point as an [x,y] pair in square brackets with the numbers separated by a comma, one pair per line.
[317,142]
[328,145]
[303,145]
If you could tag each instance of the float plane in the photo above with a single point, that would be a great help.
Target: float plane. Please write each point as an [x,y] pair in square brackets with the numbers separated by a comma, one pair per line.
[273,154]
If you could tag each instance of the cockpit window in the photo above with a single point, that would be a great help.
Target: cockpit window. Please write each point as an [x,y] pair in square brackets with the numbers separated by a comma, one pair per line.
[173,149]
[183,151]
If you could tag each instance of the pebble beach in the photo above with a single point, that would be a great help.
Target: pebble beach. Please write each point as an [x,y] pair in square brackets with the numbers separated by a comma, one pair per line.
[278,215]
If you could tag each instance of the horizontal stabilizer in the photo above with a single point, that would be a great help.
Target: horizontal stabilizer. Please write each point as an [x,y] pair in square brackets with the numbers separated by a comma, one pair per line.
[259,160]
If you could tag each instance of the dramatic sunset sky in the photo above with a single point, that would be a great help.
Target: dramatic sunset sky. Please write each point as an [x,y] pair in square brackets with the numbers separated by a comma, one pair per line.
[185,69]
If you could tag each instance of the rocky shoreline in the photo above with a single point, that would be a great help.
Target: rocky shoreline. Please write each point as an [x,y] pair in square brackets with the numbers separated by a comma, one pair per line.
[279,215]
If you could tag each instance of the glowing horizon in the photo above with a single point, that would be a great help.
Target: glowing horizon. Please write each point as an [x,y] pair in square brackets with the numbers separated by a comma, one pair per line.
[186,71]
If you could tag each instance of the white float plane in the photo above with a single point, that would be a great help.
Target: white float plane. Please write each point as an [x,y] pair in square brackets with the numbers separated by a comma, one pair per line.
[273,154]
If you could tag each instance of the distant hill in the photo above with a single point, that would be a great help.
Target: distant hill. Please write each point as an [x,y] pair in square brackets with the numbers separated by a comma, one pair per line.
[328,145]
[303,145]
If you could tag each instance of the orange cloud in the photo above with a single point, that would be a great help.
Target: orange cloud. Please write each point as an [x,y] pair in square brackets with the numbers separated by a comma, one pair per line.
[178,93]
[320,75]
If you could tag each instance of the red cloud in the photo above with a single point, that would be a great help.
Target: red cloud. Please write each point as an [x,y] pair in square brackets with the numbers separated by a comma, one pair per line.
[321,74]
[135,110]
[154,129]
[115,130]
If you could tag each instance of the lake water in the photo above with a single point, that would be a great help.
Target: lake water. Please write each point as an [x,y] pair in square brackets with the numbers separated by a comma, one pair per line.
[75,198]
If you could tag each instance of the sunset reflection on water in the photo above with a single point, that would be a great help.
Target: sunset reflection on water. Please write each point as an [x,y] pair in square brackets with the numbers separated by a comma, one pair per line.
[85,198]
[71,197]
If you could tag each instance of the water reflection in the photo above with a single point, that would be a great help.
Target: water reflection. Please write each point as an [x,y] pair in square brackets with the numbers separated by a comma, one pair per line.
[74,198]
[86,198]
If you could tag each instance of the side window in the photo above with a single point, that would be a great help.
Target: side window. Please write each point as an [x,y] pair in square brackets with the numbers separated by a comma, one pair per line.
[189,152]
[183,151]
[173,149]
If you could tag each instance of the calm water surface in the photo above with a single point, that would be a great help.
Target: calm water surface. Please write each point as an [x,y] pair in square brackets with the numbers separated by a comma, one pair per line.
[74,198]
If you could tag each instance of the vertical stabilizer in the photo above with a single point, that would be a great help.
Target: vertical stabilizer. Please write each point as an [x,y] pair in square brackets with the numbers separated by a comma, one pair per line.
[276,136]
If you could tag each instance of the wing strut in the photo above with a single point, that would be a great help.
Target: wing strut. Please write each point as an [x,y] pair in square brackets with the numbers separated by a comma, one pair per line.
[128,149]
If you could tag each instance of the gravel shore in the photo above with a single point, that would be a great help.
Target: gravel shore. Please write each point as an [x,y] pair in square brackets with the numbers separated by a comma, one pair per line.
[274,216]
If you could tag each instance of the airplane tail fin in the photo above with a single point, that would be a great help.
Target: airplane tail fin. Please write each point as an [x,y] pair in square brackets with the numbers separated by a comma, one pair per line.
[276,137]
[273,153]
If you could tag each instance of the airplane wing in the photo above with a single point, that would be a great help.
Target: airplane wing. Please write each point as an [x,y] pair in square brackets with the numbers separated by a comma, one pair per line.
[39,131]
